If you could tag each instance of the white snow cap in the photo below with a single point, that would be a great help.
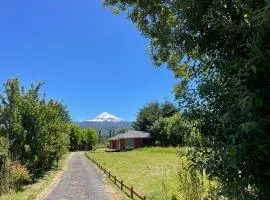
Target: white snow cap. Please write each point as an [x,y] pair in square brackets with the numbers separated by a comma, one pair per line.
[106,117]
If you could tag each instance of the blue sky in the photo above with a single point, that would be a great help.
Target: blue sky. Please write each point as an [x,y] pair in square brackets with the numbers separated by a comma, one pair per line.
[90,59]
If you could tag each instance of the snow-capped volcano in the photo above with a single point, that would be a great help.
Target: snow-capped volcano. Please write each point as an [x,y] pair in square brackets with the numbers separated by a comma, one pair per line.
[106,117]
[105,122]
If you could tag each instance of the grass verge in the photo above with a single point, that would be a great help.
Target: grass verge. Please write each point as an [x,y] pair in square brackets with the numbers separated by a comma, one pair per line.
[34,191]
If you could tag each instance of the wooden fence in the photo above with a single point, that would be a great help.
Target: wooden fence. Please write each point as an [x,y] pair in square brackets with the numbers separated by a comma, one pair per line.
[119,183]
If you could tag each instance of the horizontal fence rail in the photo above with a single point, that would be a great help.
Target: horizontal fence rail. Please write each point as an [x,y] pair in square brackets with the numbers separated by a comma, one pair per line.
[121,183]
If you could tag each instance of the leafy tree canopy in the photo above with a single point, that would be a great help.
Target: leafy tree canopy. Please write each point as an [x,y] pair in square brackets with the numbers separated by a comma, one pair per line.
[150,114]
[220,52]
[36,129]
[147,116]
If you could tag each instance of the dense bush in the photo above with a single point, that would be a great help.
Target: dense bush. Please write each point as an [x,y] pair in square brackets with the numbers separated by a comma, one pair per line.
[82,139]
[193,185]
[166,125]
[220,52]
[36,129]
[161,120]
[19,175]
[147,116]
[173,130]
[4,164]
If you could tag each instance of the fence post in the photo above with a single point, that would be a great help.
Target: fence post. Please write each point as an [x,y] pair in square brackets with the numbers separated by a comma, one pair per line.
[144,198]
[115,180]
[121,184]
[131,190]
[109,174]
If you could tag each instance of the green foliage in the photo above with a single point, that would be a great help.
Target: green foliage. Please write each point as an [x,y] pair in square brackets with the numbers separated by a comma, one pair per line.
[82,139]
[168,109]
[19,175]
[178,130]
[153,118]
[4,164]
[220,52]
[163,121]
[147,117]
[159,131]
[91,137]
[194,185]
[75,137]
[36,128]
[173,130]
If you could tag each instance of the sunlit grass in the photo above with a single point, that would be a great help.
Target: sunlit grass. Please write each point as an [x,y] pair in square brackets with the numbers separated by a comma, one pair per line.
[156,172]
[151,171]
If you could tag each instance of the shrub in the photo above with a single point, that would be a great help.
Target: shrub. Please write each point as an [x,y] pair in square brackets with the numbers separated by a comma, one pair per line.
[194,185]
[4,162]
[82,139]
[19,174]
[38,125]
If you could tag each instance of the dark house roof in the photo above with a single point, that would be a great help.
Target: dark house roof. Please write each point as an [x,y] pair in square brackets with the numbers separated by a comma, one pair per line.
[131,134]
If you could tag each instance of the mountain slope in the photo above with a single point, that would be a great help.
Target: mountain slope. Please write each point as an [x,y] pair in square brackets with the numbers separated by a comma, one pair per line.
[106,117]
[105,122]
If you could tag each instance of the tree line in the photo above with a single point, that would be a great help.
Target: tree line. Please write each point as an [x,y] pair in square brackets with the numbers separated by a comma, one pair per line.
[34,134]
[166,124]
[82,139]
[219,52]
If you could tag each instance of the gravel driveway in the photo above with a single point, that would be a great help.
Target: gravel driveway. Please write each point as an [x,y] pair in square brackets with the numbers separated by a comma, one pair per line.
[81,181]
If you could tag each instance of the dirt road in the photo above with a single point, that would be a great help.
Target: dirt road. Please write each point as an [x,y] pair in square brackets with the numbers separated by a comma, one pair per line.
[80,181]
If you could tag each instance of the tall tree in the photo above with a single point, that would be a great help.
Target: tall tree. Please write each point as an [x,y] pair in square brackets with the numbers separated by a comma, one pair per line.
[147,117]
[36,128]
[219,50]
[168,109]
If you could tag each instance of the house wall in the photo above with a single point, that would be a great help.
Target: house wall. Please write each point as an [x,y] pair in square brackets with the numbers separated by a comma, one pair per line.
[138,142]
[113,144]
[122,144]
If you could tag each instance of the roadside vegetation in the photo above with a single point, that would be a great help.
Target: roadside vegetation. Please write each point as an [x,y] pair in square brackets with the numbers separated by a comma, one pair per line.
[157,172]
[82,139]
[35,133]
[168,127]
[38,187]
[219,52]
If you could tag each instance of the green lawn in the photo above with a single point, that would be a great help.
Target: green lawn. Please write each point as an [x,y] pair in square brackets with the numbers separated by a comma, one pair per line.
[31,191]
[151,171]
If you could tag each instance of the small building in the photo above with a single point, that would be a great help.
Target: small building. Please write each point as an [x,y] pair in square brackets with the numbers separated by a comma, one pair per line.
[130,140]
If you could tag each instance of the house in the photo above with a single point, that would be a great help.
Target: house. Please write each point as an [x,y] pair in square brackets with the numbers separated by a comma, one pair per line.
[130,140]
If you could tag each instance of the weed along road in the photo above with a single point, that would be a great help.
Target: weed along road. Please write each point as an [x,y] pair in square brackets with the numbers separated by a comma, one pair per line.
[80,181]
